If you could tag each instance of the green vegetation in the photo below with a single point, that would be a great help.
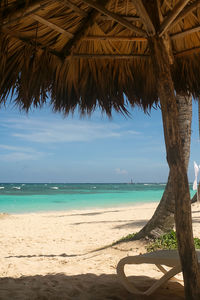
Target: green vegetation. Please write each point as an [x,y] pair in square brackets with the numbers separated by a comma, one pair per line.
[127,238]
[168,241]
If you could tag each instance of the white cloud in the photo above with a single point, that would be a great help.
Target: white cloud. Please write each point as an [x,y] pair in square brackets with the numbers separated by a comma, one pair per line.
[14,153]
[16,148]
[18,156]
[120,171]
[133,132]
[36,130]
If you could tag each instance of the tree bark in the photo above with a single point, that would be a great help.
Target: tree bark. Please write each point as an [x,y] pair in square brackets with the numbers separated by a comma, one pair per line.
[175,158]
[163,219]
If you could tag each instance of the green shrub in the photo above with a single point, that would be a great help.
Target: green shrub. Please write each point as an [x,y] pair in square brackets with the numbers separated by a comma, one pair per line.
[168,242]
[197,243]
[127,238]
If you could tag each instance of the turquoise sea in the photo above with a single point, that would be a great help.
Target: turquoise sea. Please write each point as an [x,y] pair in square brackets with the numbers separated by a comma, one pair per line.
[34,197]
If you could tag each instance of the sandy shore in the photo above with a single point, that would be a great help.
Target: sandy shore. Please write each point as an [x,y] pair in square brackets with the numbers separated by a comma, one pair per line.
[48,255]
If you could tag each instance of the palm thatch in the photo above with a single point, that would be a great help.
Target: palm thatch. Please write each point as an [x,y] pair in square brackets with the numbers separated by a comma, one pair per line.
[93,53]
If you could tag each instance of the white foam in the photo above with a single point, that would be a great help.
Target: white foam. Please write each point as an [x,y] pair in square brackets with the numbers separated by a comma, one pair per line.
[16,187]
[1,187]
[54,188]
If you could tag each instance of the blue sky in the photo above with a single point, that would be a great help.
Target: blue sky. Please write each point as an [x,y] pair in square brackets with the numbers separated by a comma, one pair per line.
[43,146]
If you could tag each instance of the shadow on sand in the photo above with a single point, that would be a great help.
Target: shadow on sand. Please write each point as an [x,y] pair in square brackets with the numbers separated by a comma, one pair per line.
[84,214]
[81,287]
[138,223]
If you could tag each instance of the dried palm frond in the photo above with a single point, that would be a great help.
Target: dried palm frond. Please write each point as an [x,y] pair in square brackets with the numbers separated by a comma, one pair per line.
[91,54]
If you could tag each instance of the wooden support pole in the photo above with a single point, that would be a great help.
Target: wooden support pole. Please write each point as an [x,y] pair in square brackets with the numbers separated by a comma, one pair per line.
[52,25]
[144,16]
[190,8]
[29,42]
[33,8]
[115,17]
[114,38]
[74,7]
[184,33]
[106,56]
[82,31]
[172,15]
[187,52]
[128,18]
[24,12]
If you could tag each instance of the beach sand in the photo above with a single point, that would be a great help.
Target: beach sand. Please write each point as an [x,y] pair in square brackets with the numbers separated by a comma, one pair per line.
[48,256]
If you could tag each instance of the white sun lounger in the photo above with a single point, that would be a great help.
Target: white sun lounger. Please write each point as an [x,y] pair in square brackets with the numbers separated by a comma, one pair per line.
[168,258]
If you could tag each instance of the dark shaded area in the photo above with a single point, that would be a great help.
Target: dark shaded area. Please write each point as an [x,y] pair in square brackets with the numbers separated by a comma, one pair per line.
[195,220]
[131,224]
[196,212]
[100,222]
[84,214]
[45,255]
[82,287]
[95,213]
[126,225]
[194,198]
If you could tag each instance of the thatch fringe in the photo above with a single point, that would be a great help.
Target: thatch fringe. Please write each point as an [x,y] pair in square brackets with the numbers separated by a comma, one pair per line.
[37,62]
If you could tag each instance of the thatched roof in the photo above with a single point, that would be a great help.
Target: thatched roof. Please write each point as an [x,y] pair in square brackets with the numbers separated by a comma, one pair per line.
[94,53]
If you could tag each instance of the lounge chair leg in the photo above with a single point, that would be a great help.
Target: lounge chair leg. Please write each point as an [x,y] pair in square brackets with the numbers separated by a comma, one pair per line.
[162,269]
[132,289]
[168,275]
[129,286]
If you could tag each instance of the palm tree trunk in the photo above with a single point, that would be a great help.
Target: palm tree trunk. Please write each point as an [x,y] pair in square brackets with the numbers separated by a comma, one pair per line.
[175,158]
[163,219]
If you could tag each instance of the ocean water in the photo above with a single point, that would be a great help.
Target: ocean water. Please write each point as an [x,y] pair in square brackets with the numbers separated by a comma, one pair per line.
[23,198]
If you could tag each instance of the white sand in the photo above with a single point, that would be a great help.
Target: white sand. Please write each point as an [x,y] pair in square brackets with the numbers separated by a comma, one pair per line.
[48,255]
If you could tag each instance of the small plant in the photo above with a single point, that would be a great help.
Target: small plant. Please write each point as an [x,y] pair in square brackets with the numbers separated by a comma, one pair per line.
[197,243]
[127,238]
[168,242]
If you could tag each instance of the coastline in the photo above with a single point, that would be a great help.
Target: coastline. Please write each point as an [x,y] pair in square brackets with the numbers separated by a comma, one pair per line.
[35,245]
[80,210]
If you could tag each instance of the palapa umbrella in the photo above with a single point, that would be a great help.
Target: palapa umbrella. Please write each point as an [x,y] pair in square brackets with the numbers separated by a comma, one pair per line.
[106,53]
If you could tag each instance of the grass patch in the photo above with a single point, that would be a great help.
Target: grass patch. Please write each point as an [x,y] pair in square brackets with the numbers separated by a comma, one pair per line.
[168,242]
[126,238]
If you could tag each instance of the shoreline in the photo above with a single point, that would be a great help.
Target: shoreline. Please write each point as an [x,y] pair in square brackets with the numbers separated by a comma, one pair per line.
[36,248]
[92,208]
